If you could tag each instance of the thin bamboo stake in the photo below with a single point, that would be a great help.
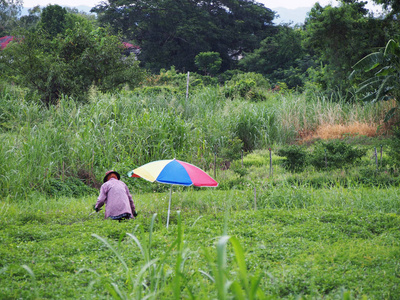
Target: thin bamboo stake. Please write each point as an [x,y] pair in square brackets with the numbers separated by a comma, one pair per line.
[187,86]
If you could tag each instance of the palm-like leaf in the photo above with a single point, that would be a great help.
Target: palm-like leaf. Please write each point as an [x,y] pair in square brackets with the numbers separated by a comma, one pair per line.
[385,83]
[369,62]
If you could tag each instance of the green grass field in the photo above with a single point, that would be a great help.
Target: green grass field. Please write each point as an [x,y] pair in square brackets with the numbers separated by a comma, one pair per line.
[336,247]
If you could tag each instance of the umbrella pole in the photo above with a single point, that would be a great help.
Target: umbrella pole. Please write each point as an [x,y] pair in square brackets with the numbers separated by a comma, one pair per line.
[169,204]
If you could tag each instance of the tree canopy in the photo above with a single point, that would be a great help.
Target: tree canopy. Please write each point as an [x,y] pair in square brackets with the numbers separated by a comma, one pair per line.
[58,60]
[172,33]
[218,38]
[340,36]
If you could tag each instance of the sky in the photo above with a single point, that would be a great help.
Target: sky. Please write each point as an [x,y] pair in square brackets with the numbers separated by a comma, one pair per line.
[290,4]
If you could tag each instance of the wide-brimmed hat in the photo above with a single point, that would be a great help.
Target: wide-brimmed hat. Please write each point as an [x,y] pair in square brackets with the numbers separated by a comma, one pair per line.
[108,173]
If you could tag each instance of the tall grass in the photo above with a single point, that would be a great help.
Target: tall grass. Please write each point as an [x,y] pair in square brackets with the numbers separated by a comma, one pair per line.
[124,130]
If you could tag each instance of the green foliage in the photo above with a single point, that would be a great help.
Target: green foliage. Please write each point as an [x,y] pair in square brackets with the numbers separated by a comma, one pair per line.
[296,158]
[73,61]
[383,83]
[232,149]
[280,57]
[9,11]
[172,34]
[208,62]
[249,124]
[157,90]
[335,154]
[395,145]
[53,19]
[341,36]
[239,170]
[70,187]
[251,86]
[172,79]
[29,21]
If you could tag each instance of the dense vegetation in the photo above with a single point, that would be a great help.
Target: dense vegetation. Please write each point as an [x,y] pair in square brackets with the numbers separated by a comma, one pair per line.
[298,124]
[263,232]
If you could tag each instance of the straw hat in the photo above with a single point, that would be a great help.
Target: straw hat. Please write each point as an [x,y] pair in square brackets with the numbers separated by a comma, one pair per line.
[110,172]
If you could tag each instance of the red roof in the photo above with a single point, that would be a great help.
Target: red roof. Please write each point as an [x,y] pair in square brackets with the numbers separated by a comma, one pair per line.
[5,40]
[129,46]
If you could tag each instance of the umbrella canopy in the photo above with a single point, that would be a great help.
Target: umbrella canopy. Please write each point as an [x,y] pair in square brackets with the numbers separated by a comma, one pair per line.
[173,171]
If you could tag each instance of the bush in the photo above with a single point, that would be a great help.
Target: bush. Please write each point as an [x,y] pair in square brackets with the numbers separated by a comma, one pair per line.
[335,154]
[70,187]
[232,149]
[296,158]
[369,176]
[251,86]
[179,80]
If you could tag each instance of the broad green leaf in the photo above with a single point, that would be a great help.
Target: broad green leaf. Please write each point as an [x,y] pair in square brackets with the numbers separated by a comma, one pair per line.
[369,62]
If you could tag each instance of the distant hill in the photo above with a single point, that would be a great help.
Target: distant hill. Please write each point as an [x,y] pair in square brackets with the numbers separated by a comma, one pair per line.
[286,15]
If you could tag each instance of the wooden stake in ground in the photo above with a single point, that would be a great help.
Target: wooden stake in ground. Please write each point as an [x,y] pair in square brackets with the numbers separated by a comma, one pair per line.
[187,87]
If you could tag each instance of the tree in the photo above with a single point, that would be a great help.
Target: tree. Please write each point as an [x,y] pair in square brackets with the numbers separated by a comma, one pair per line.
[69,63]
[208,62]
[53,19]
[340,36]
[9,12]
[278,55]
[172,33]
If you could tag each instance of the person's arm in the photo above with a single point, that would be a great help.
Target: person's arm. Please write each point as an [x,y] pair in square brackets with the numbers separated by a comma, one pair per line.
[102,198]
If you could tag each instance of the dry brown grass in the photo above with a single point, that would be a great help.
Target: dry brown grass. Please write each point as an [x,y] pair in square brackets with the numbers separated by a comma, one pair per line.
[337,131]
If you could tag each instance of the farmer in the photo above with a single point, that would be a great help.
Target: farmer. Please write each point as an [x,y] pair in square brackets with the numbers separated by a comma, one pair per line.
[115,194]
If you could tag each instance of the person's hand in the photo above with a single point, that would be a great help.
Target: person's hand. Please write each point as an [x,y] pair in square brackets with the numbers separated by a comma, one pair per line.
[94,208]
[135,213]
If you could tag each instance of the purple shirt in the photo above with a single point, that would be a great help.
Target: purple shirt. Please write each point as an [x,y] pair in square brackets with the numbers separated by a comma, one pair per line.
[115,194]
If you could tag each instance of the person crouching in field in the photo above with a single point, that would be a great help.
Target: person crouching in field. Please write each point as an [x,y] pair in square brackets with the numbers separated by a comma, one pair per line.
[114,193]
